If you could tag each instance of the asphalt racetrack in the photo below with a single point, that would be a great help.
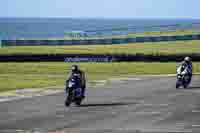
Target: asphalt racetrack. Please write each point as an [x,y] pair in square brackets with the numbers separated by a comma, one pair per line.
[138,104]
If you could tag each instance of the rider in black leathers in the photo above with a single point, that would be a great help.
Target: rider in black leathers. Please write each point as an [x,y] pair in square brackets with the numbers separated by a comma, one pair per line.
[75,70]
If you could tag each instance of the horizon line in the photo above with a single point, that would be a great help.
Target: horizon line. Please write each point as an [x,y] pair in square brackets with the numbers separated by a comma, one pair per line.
[62,17]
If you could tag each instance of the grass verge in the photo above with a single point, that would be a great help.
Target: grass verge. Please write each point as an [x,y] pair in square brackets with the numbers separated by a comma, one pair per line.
[131,34]
[158,48]
[34,75]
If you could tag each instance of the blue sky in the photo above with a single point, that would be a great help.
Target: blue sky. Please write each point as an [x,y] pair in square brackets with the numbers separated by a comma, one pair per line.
[101,8]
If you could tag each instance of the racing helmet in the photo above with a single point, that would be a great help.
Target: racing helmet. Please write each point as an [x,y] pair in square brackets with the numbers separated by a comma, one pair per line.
[74,68]
[187,59]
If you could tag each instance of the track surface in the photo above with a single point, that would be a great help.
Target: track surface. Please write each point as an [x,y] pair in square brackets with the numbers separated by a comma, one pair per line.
[151,104]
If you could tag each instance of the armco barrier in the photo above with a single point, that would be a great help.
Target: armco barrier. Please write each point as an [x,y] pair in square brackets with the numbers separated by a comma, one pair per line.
[118,41]
[131,40]
[100,41]
[56,58]
[95,58]
[194,37]
[88,59]
[106,41]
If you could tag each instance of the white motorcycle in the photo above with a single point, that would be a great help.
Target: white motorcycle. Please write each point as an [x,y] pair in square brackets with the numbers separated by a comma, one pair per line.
[183,77]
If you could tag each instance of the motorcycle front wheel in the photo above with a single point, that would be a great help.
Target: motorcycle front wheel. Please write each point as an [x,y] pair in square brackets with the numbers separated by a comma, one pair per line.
[67,103]
[68,100]
[185,86]
[177,84]
[78,102]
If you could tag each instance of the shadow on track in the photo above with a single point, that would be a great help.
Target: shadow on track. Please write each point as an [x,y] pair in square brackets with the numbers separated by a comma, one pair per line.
[194,87]
[107,104]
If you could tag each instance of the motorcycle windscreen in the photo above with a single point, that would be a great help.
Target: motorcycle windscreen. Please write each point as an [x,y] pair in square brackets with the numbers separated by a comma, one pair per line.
[179,76]
[70,84]
[179,70]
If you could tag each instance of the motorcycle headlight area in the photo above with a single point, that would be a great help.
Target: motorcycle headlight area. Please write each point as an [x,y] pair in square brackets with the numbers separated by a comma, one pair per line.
[179,76]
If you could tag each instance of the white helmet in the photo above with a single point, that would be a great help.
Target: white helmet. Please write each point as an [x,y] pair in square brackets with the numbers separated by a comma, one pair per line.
[187,59]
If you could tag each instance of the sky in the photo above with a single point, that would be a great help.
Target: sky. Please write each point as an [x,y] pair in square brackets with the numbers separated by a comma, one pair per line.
[101,8]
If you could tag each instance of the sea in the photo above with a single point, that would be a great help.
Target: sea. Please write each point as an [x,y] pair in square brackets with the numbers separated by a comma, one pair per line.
[14,28]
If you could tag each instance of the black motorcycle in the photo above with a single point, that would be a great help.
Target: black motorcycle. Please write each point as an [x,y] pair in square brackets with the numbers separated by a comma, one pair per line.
[74,91]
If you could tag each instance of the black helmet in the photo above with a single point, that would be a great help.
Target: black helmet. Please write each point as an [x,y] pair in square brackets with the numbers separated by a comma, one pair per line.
[74,68]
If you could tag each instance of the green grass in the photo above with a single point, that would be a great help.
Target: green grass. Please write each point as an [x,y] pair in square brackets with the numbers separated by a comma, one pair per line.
[155,33]
[164,48]
[34,75]
[167,33]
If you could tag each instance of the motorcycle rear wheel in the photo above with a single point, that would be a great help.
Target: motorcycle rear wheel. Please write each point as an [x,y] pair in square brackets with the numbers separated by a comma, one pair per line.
[68,100]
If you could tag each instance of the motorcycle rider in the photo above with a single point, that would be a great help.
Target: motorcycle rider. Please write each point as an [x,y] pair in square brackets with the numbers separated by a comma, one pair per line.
[188,63]
[75,70]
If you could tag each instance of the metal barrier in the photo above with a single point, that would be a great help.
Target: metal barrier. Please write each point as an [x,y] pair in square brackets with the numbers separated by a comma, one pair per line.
[96,58]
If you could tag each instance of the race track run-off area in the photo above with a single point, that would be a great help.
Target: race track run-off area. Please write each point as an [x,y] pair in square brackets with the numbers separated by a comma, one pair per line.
[140,104]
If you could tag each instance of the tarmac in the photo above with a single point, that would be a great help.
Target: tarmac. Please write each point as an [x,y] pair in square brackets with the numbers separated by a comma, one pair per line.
[138,104]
